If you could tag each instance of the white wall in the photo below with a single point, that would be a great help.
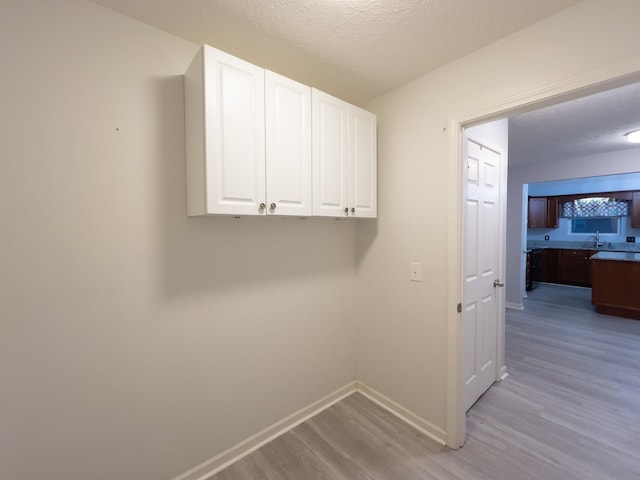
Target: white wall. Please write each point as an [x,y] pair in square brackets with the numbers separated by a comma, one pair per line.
[520,175]
[402,333]
[136,342]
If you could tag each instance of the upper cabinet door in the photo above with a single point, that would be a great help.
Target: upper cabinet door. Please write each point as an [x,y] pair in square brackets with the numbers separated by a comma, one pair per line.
[362,163]
[635,210]
[537,212]
[288,154]
[225,124]
[330,155]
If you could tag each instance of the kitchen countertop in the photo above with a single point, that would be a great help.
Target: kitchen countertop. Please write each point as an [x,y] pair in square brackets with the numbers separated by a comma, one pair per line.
[566,245]
[618,256]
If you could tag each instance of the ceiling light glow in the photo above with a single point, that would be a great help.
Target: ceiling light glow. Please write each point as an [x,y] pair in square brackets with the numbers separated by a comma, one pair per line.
[634,137]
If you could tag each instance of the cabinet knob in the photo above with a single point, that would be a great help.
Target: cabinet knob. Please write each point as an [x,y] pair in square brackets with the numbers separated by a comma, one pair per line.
[346,210]
[272,206]
[263,206]
[353,210]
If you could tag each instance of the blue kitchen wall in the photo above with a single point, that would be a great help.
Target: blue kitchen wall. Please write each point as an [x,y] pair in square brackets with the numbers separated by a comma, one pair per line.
[562,233]
[609,183]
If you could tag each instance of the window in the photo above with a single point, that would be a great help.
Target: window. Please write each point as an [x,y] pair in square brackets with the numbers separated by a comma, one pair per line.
[593,225]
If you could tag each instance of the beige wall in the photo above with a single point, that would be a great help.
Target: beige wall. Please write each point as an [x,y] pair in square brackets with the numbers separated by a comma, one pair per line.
[402,332]
[135,342]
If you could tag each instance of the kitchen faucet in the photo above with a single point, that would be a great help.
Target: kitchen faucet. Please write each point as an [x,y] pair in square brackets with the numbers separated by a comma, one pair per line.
[598,243]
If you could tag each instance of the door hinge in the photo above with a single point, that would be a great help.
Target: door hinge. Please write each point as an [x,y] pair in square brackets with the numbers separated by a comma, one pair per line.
[459,308]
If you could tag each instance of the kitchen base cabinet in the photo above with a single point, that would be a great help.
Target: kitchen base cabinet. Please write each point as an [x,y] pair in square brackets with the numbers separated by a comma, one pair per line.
[574,267]
[616,289]
[566,266]
[550,268]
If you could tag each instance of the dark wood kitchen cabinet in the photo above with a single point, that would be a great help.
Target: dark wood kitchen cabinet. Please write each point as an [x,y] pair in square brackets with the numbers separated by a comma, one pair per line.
[615,289]
[635,210]
[550,268]
[543,212]
[575,267]
[552,212]
[537,212]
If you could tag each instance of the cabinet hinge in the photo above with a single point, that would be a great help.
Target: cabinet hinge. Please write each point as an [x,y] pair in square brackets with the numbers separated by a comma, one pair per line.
[459,308]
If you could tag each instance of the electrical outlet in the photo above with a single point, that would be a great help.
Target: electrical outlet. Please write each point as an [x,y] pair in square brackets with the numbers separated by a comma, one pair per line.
[631,239]
[546,237]
[415,273]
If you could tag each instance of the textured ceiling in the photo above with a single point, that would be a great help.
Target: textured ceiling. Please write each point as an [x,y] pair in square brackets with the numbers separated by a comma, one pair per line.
[589,125]
[355,49]
[358,49]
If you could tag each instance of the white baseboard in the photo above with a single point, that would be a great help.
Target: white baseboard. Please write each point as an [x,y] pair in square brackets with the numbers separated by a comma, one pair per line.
[214,465]
[514,306]
[220,462]
[430,430]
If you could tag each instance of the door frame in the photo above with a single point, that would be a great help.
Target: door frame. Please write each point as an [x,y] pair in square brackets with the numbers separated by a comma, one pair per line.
[596,81]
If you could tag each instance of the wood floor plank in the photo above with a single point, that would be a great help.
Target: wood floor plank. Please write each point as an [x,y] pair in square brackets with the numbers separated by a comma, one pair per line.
[569,409]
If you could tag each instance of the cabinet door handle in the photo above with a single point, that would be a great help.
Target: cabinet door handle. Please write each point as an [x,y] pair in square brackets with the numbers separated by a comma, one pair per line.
[498,283]
[346,210]
[353,210]
[272,206]
[263,206]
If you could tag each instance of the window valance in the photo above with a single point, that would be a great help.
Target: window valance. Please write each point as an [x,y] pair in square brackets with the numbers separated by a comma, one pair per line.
[595,207]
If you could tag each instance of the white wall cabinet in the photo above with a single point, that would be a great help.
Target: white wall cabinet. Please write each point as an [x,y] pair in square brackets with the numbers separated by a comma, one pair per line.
[248,139]
[255,140]
[288,147]
[225,135]
[344,159]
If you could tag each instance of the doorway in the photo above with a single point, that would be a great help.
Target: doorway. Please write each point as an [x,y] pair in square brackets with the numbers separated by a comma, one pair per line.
[597,82]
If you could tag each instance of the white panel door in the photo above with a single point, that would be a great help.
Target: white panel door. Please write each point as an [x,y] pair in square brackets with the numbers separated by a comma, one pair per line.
[234,135]
[362,201]
[482,257]
[330,130]
[288,123]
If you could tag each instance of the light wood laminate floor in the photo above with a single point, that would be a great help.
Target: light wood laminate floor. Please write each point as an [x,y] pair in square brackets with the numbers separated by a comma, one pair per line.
[570,409]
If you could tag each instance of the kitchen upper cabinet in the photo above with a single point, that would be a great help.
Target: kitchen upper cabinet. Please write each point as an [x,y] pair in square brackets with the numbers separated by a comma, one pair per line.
[552,212]
[288,147]
[225,135]
[543,212]
[537,212]
[344,158]
[635,210]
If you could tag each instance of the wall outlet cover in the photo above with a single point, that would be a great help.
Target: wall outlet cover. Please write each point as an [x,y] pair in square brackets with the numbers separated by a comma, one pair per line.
[631,239]
[546,237]
[415,273]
